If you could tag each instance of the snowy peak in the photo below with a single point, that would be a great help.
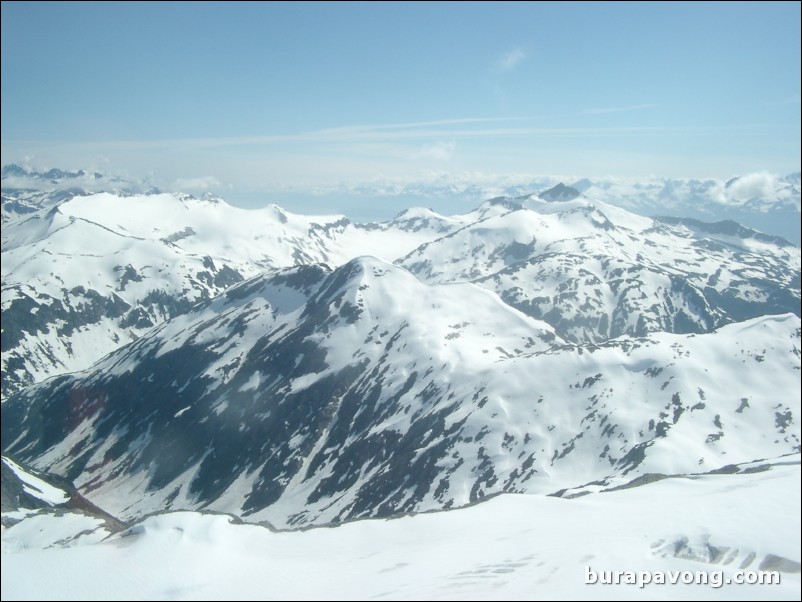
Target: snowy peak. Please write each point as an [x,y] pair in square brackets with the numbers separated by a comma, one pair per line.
[417,213]
[498,206]
[505,238]
[559,193]
[12,170]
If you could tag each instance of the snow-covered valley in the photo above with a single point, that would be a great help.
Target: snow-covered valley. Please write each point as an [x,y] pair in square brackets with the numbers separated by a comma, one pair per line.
[510,547]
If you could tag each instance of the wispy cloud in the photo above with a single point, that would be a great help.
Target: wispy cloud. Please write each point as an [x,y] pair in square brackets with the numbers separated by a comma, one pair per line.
[199,184]
[510,60]
[431,131]
[606,110]
[417,124]
[794,99]
[259,164]
[439,151]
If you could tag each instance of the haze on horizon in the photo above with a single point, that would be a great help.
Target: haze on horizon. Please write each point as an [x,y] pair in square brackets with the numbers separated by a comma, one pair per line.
[263,102]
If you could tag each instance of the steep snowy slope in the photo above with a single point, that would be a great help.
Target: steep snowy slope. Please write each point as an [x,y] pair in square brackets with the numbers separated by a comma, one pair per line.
[595,272]
[314,395]
[514,547]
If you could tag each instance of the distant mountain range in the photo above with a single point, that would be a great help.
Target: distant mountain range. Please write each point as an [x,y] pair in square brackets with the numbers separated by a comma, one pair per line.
[762,201]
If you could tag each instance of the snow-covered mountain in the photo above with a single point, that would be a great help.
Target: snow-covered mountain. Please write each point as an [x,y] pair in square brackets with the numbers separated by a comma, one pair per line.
[26,191]
[759,200]
[317,395]
[594,271]
[93,272]
[167,352]
[83,276]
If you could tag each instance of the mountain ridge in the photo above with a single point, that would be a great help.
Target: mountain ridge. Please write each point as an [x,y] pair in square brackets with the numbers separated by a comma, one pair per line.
[353,396]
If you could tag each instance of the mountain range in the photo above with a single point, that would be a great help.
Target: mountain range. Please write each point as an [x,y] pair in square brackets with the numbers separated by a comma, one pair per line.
[98,270]
[760,200]
[166,352]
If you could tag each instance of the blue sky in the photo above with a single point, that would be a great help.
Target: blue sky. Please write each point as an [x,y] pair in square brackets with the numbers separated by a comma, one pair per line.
[258,100]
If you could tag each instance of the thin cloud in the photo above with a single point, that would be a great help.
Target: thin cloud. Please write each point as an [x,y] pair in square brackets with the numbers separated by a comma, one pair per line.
[606,110]
[202,183]
[511,59]
[439,151]
[415,124]
[387,133]
[791,100]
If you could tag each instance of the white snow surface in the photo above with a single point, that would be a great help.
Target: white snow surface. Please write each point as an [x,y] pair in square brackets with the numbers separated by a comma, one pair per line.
[45,529]
[511,547]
